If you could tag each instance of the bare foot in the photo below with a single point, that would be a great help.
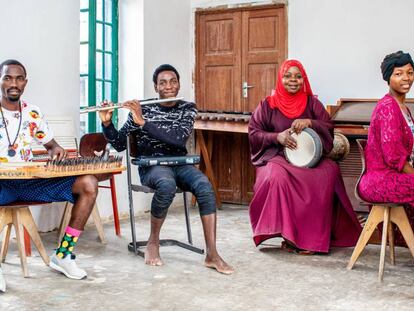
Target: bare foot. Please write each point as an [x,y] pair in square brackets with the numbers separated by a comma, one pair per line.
[219,264]
[152,255]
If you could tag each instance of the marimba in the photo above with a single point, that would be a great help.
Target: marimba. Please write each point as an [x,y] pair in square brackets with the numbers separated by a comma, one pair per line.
[213,124]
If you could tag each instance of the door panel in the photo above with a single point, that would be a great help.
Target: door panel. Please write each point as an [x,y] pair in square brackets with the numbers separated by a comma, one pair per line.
[218,85]
[263,49]
[220,82]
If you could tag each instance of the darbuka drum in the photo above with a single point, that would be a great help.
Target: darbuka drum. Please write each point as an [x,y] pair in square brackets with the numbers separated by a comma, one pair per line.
[340,148]
[308,151]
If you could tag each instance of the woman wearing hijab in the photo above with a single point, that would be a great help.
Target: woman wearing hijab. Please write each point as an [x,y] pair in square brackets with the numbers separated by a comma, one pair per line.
[307,207]
[389,173]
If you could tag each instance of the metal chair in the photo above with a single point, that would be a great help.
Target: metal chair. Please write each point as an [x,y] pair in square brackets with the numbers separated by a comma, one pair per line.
[387,213]
[134,246]
[18,214]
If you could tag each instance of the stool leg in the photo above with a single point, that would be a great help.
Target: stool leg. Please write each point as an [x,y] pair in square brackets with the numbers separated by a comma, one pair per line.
[384,243]
[6,241]
[65,220]
[187,220]
[20,240]
[29,224]
[399,217]
[98,223]
[115,206]
[391,243]
[374,218]
[27,244]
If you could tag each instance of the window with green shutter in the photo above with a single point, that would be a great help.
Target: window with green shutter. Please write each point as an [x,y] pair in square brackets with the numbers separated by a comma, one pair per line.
[98,58]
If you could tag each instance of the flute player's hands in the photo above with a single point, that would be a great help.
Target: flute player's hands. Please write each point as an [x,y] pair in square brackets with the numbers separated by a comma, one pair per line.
[106,115]
[135,108]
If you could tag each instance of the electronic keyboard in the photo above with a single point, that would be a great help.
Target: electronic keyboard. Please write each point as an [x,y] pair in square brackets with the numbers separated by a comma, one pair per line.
[166,160]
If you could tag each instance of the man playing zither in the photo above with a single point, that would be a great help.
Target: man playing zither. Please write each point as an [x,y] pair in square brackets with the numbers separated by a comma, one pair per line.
[20,125]
[163,130]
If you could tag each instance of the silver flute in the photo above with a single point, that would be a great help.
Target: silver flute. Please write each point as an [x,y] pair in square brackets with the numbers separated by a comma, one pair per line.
[120,105]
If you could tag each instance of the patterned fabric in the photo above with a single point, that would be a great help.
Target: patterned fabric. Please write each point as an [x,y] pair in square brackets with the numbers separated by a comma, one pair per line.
[165,132]
[67,245]
[410,124]
[43,190]
[389,147]
[33,128]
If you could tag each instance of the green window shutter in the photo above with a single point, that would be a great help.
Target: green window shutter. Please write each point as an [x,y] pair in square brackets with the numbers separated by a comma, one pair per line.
[99,69]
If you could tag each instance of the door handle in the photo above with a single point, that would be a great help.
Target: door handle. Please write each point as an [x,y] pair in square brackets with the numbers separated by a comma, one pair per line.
[245,88]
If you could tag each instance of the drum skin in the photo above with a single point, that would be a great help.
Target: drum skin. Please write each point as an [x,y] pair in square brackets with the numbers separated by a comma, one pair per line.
[309,149]
[340,148]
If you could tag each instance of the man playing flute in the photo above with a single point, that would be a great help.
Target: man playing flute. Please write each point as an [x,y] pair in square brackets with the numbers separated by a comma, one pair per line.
[21,124]
[163,130]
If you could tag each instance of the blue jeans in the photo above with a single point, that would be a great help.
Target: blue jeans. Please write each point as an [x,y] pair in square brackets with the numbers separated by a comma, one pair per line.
[165,179]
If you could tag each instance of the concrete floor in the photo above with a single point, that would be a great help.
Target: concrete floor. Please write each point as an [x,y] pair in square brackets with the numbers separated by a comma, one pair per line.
[266,278]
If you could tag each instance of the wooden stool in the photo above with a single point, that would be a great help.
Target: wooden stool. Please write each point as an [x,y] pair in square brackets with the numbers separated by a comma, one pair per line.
[387,213]
[95,216]
[18,215]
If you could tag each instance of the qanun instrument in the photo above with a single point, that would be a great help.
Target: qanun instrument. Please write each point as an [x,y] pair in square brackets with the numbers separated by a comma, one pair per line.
[61,168]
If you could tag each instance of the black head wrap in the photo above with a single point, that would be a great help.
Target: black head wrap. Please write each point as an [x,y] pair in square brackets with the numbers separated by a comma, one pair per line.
[397,59]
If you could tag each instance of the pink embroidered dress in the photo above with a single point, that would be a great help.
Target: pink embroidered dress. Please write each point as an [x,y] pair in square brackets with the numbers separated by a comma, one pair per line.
[389,146]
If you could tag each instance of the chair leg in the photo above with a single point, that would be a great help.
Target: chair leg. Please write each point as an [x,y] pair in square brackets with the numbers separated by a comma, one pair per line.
[6,242]
[133,245]
[374,218]
[384,243]
[18,227]
[115,206]
[29,224]
[27,244]
[187,219]
[65,220]
[98,223]
[399,217]
[391,243]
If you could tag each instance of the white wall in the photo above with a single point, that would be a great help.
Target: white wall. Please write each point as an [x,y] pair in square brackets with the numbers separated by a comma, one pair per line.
[167,39]
[44,36]
[342,43]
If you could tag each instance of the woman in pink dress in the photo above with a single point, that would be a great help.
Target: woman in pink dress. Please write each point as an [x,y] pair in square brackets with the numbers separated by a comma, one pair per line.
[389,174]
[308,207]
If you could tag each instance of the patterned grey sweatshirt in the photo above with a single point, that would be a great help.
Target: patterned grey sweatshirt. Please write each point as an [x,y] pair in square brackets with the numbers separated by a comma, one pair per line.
[165,132]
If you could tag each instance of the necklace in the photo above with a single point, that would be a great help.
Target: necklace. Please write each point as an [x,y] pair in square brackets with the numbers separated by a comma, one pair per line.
[11,152]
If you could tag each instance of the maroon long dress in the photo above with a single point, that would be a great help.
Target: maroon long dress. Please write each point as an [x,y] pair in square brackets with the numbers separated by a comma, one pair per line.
[308,206]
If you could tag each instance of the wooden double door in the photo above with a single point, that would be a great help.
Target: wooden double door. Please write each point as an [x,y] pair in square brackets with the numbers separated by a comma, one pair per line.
[238,52]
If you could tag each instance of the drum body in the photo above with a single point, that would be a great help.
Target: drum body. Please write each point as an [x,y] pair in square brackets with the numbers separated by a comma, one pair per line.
[309,149]
[341,147]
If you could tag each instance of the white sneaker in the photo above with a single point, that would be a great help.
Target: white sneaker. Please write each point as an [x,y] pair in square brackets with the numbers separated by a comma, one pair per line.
[68,267]
[2,282]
